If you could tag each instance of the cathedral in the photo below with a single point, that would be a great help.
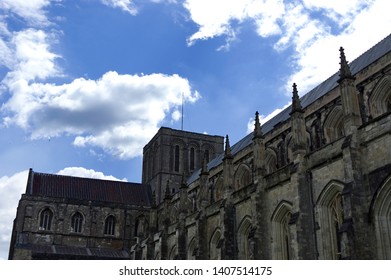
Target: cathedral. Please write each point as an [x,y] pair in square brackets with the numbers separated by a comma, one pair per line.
[312,183]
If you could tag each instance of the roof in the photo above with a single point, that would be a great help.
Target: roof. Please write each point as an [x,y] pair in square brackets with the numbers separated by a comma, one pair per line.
[363,61]
[88,189]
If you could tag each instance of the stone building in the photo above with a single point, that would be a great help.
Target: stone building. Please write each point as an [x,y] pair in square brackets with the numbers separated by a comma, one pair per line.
[314,182]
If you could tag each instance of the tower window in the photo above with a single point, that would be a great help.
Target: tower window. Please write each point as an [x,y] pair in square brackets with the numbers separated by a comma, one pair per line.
[176,158]
[192,159]
[207,155]
[110,225]
[77,222]
[46,218]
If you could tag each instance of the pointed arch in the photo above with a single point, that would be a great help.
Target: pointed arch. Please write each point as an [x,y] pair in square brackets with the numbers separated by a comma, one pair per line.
[110,224]
[194,156]
[333,125]
[46,219]
[316,134]
[77,222]
[215,245]
[177,154]
[192,248]
[243,176]
[174,215]
[218,189]
[270,160]
[288,145]
[140,226]
[173,253]
[245,250]
[329,216]
[381,211]
[280,231]
[380,98]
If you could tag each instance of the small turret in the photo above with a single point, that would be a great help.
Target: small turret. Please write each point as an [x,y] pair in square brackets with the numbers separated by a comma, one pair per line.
[227,152]
[296,104]
[257,127]
[344,71]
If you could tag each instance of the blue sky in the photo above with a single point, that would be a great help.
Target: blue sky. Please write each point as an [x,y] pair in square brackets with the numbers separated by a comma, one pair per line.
[85,84]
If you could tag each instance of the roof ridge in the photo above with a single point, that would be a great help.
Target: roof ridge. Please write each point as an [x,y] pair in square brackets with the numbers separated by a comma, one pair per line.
[83,178]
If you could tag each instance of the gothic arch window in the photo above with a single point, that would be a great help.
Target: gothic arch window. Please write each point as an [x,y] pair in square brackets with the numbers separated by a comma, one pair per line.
[288,145]
[281,159]
[215,245]
[245,247]
[45,219]
[242,177]
[207,152]
[176,158]
[140,226]
[109,225]
[380,99]
[218,189]
[281,232]
[192,158]
[270,161]
[333,125]
[77,222]
[191,252]
[382,220]
[316,134]
[174,215]
[329,215]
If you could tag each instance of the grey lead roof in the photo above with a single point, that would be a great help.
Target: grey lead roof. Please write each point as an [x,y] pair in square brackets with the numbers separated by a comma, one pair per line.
[364,60]
[88,189]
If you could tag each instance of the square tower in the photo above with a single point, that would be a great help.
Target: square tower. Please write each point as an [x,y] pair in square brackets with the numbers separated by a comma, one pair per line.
[172,154]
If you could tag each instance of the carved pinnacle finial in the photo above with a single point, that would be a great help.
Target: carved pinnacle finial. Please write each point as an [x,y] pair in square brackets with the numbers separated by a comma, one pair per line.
[257,126]
[228,153]
[344,71]
[296,104]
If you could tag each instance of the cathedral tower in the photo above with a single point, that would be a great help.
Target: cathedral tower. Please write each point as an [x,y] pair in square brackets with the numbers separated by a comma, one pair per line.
[172,154]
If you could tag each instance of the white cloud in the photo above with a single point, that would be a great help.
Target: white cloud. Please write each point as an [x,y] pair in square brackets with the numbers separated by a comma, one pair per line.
[319,59]
[124,5]
[118,113]
[32,57]
[264,119]
[215,17]
[87,173]
[313,29]
[32,11]
[176,115]
[11,189]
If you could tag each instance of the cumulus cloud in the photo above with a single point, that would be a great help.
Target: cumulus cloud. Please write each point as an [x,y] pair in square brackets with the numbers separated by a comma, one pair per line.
[292,24]
[11,189]
[87,173]
[31,56]
[118,113]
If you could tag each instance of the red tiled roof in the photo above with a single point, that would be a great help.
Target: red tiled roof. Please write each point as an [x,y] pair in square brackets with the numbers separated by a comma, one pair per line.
[95,190]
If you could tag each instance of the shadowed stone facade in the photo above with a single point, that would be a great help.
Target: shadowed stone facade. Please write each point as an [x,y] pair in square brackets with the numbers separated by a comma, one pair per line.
[312,183]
